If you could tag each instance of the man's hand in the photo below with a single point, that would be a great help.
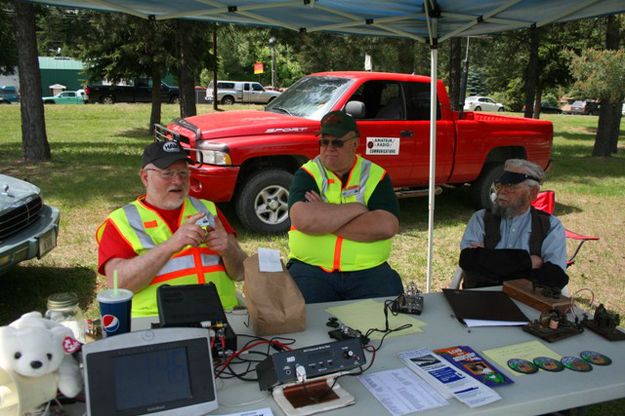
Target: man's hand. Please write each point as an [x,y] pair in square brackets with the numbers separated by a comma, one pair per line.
[476,244]
[312,196]
[537,261]
[188,233]
[217,239]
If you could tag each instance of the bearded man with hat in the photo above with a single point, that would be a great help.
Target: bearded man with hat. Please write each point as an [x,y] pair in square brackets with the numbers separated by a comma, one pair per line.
[343,213]
[514,240]
[168,237]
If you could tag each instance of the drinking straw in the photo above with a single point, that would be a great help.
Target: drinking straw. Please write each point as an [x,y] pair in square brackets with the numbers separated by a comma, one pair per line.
[114,282]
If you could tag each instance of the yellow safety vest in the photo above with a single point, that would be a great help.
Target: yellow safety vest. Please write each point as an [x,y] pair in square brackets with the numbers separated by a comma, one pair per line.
[143,229]
[332,252]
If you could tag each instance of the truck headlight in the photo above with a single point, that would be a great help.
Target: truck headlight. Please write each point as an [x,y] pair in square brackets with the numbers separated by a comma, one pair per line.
[214,154]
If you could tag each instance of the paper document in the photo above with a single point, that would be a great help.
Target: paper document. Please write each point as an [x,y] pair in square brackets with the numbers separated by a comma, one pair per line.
[260,412]
[269,260]
[401,391]
[368,313]
[471,323]
[447,379]
[526,350]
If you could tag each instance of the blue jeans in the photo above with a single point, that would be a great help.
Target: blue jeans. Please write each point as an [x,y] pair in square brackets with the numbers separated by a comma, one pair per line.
[319,286]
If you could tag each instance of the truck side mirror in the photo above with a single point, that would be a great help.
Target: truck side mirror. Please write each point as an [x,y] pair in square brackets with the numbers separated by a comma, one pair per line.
[356,109]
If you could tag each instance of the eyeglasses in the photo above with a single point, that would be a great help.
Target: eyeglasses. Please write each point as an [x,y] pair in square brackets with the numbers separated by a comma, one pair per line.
[169,174]
[500,187]
[335,143]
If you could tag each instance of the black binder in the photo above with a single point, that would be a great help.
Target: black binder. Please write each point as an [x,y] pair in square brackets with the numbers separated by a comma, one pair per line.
[494,306]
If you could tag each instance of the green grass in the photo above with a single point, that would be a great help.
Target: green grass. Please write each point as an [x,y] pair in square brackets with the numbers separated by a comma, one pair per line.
[95,159]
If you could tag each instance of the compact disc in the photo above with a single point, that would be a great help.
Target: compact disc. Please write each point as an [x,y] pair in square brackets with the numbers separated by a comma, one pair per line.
[522,366]
[548,363]
[595,358]
[575,363]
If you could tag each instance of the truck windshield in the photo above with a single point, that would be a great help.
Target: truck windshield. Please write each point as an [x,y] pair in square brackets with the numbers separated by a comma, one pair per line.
[310,97]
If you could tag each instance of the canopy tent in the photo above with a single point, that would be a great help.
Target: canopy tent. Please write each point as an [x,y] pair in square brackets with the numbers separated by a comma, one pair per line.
[429,21]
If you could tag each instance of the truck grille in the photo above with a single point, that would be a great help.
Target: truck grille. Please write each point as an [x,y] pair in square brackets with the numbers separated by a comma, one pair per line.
[20,217]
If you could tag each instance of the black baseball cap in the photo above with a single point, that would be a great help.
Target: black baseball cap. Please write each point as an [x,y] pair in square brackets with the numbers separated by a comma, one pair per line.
[511,178]
[164,154]
[338,124]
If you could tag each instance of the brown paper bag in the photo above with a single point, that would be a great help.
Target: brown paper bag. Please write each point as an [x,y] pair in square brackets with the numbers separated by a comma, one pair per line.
[274,302]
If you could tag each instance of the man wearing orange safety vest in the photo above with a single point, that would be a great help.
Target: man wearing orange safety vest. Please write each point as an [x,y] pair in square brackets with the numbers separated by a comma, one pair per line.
[156,239]
[343,214]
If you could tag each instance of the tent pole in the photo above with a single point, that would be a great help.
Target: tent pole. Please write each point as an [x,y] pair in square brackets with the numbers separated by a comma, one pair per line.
[432,184]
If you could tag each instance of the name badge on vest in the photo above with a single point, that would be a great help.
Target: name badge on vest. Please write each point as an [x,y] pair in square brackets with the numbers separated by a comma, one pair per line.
[351,191]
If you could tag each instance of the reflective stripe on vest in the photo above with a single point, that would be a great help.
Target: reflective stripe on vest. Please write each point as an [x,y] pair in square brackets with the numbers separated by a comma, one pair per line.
[143,229]
[331,252]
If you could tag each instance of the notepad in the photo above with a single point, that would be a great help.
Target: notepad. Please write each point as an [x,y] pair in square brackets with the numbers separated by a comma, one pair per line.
[484,308]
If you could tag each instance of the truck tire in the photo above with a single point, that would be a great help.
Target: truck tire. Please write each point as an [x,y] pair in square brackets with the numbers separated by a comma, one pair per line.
[481,189]
[262,204]
[107,99]
[227,100]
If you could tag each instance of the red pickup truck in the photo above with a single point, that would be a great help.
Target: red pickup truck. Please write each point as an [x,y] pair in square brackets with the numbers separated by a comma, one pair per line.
[249,157]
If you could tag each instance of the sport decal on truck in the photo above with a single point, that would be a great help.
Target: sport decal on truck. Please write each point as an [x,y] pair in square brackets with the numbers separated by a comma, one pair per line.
[382,146]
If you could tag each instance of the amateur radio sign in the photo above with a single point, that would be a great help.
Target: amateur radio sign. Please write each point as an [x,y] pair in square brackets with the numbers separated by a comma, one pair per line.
[382,146]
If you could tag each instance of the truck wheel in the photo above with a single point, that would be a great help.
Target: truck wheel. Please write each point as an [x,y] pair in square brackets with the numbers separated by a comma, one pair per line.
[481,189]
[227,100]
[262,204]
[108,99]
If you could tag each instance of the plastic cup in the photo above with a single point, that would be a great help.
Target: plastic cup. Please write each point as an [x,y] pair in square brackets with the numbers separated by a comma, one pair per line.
[115,311]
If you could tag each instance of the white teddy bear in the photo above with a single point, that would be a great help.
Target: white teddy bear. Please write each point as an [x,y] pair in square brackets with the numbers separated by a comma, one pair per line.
[34,347]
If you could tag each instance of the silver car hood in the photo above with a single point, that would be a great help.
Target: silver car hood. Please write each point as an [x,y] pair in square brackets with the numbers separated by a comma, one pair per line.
[14,192]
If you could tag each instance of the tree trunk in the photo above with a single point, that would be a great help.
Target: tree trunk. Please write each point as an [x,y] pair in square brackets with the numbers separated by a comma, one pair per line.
[615,129]
[34,139]
[531,73]
[155,115]
[612,42]
[186,82]
[455,71]
[603,140]
[537,106]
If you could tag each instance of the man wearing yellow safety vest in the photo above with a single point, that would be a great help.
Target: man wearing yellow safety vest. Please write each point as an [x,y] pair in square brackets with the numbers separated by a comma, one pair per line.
[343,214]
[157,240]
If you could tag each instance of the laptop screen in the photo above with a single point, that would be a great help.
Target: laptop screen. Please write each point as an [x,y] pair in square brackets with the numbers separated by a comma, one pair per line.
[166,371]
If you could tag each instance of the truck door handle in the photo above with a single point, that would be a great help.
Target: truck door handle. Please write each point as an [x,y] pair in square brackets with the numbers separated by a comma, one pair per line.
[406,133]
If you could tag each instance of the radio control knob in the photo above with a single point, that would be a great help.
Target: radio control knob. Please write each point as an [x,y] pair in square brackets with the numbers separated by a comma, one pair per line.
[349,354]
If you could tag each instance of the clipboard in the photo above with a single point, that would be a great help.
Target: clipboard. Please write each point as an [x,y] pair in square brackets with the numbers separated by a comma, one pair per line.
[484,308]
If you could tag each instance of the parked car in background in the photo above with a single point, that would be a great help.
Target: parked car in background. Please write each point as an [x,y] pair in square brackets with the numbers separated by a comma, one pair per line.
[64,97]
[479,103]
[28,227]
[548,108]
[139,91]
[8,94]
[584,107]
[230,92]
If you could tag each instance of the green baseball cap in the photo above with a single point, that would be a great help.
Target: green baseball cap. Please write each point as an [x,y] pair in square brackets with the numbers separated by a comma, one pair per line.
[338,124]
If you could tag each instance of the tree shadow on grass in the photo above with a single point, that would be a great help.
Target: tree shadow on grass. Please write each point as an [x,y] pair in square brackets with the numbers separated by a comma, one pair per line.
[26,288]
[136,133]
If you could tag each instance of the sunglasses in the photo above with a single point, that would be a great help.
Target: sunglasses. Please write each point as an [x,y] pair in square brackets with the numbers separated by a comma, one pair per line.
[335,143]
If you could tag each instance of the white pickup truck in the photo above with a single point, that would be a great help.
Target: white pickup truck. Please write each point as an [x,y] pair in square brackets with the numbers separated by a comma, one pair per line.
[230,92]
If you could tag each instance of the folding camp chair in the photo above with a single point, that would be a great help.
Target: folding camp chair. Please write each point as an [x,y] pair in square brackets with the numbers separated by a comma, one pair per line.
[546,201]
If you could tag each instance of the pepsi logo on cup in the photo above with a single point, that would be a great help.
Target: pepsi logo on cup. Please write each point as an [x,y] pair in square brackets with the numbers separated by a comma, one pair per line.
[110,323]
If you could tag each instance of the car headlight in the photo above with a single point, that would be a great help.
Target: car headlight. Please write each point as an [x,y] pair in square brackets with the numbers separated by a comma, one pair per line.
[214,154]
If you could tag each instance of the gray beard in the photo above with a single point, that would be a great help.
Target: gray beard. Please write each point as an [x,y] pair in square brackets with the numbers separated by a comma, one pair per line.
[504,212]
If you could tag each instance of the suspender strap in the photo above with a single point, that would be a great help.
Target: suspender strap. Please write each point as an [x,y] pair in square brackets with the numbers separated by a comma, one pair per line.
[540,229]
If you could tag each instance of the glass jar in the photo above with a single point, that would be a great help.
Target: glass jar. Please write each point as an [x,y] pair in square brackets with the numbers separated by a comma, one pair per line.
[63,308]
